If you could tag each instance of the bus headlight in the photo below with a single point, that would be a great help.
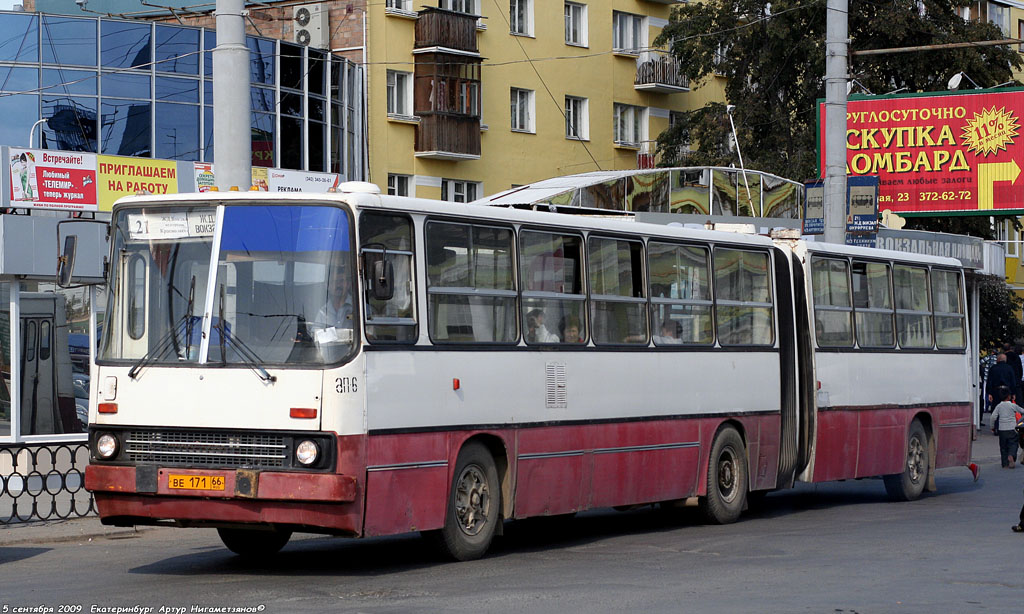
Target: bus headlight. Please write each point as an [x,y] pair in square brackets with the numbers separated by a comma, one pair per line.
[106,446]
[307,452]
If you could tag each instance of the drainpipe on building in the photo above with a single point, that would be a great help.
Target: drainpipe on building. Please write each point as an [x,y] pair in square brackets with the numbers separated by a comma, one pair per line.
[232,136]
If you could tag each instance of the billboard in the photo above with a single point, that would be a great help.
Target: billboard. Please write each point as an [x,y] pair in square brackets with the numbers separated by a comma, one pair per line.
[42,179]
[953,154]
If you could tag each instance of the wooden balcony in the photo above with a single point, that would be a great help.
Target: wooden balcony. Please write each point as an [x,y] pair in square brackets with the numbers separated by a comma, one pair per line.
[657,71]
[448,136]
[441,30]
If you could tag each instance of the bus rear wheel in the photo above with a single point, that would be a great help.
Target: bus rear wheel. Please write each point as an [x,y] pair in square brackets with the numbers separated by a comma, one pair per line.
[909,485]
[474,505]
[254,542]
[727,479]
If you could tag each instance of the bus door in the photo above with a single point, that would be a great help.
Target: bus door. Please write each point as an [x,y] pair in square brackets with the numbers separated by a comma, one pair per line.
[132,306]
[39,410]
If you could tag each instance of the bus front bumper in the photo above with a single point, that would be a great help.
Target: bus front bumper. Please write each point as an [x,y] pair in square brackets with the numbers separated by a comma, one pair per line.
[222,484]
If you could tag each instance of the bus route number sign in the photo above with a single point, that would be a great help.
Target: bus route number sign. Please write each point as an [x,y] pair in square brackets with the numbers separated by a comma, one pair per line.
[195,482]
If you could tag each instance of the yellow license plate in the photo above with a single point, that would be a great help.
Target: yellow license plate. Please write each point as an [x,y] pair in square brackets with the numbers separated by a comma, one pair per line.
[195,482]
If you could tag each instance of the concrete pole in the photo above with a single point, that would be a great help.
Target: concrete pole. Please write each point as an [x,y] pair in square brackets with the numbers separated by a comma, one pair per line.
[836,77]
[232,139]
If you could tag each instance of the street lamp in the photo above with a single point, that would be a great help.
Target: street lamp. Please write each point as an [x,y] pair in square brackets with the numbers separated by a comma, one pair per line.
[32,130]
[954,81]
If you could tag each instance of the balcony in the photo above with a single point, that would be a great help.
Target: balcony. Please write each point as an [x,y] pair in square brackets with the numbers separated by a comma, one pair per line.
[657,71]
[445,136]
[445,31]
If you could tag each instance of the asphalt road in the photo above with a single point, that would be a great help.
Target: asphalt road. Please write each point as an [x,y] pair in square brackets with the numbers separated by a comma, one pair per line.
[840,547]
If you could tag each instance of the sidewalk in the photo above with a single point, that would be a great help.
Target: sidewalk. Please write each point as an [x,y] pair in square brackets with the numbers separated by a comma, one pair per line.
[82,529]
[985,452]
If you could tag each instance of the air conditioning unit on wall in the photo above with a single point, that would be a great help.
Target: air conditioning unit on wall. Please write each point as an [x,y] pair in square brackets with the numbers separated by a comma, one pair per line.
[309,25]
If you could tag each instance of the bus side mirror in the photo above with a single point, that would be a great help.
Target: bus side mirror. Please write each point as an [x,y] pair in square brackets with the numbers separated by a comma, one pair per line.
[66,262]
[383,280]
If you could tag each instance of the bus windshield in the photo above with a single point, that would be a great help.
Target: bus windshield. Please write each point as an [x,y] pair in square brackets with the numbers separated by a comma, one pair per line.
[282,291]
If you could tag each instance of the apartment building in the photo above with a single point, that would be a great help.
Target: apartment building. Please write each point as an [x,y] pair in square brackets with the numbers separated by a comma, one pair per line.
[470,97]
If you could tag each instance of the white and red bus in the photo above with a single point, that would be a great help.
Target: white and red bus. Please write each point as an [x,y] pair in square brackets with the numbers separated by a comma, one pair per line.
[360,365]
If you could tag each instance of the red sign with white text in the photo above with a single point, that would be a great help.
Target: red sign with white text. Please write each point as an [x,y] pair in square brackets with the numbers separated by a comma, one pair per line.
[956,153]
[45,179]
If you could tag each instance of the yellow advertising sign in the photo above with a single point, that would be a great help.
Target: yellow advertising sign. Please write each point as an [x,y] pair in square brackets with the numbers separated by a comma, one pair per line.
[119,176]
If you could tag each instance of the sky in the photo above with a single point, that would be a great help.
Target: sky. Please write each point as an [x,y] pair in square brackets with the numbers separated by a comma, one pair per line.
[6,5]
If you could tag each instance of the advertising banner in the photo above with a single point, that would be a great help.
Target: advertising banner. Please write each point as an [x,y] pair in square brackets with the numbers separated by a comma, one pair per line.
[44,179]
[123,176]
[944,153]
[814,209]
[272,179]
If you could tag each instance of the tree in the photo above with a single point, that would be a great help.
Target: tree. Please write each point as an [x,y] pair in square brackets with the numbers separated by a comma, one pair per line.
[772,54]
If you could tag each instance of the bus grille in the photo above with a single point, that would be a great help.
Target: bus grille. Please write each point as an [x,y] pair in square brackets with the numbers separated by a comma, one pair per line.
[206,448]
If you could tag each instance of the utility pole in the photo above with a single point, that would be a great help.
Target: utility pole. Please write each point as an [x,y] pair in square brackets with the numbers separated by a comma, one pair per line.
[836,47]
[232,132]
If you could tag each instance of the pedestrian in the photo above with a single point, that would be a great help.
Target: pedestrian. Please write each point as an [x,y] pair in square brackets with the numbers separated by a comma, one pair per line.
[1001,374]
[1013,359]
[1004,423]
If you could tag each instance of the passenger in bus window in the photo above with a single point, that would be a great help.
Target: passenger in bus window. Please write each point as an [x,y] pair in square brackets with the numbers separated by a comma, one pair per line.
[536,332]
[338,310]
[570,330]
[669,334]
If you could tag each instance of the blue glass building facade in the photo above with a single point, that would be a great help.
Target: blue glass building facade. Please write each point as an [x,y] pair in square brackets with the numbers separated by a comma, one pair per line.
[145,89]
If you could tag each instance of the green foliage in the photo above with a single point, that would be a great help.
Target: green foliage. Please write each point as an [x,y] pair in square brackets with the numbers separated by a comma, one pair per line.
[999,320]
[774,65]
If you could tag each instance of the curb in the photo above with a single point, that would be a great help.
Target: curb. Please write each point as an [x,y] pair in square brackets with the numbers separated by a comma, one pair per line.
[85,528]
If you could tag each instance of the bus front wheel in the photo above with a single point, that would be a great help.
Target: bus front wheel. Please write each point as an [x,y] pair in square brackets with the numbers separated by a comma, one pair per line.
[254,542]
[909,485]
[727,479]
[474,505]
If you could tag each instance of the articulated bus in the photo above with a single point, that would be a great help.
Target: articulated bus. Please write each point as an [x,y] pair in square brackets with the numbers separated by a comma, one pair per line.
[360,365]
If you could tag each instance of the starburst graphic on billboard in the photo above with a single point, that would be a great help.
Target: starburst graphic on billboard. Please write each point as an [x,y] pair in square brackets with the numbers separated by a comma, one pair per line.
[990,130]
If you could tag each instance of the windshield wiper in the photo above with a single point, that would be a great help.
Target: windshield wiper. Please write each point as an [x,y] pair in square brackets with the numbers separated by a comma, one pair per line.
[169,340]
[246,352]
[189,324]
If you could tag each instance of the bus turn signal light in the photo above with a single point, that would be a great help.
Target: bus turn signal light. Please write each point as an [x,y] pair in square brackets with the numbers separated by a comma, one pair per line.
[303,412]
[456,384]
[107,408]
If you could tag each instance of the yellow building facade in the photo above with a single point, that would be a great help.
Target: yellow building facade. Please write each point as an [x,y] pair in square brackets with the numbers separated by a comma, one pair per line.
[482,95]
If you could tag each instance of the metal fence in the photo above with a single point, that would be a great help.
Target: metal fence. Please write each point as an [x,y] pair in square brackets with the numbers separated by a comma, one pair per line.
[44,482]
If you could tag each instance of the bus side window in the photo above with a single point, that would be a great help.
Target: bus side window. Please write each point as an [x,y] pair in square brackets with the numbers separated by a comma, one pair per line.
[471,292]
[618,302]
[680,288]
[833,316]
[950,324]
[552,282]
[389,235]
[872,304]
[913,314]
[743,298]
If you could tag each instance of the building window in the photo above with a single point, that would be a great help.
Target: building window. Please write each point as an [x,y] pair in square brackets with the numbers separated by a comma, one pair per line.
[398,185]
[400,5]
[1020,33]
[457,191]
[999,14]
[522,110]
[629,126]
[1009,236]
[520,17]
[575,24]
[399,93]
[628,35]
[577,123]
[460,6]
